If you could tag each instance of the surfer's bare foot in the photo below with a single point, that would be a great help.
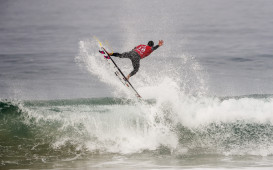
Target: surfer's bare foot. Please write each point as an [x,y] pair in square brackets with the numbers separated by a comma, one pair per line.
[128,77]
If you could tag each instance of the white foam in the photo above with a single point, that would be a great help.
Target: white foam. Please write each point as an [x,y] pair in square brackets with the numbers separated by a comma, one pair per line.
[134,128]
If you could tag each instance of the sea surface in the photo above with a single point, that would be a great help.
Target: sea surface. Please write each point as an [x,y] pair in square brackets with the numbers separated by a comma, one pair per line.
[207,92]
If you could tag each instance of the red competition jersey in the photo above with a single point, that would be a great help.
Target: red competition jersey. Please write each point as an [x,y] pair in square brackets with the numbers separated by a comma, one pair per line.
[143,50]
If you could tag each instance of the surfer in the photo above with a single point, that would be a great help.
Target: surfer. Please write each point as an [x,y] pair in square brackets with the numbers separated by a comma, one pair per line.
[137,54]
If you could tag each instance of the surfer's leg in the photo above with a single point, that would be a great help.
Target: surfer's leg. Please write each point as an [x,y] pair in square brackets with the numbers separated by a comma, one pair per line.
[115,54]
[123,55]
[135,58]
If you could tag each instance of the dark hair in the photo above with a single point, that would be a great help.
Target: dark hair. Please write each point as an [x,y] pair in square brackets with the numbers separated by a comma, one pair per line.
[151,43]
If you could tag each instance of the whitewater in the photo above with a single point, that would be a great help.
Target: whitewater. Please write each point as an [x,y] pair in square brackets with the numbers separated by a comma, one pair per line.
[176,121]
[207,92]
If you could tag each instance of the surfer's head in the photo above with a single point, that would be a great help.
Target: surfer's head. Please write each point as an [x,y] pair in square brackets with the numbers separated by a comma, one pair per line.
[151,43]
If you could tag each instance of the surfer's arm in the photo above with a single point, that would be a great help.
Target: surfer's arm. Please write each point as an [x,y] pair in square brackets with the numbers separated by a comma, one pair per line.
[160,43]
[155,47]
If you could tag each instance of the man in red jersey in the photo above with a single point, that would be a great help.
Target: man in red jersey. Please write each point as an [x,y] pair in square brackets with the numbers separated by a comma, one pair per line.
[138,53]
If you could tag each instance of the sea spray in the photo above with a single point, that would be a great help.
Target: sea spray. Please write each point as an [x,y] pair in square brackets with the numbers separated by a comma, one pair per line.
[90,59]
[179,120]
[183,126]
[182,70]
[185,112]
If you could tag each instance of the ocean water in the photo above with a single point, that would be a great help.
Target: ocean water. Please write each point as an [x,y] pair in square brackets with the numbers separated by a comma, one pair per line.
[207,92]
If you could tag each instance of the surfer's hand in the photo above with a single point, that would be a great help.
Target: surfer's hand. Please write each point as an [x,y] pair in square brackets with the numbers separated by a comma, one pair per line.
[160,43]
[128,77]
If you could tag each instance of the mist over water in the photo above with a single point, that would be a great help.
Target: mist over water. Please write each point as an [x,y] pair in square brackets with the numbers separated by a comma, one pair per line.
[207,94]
